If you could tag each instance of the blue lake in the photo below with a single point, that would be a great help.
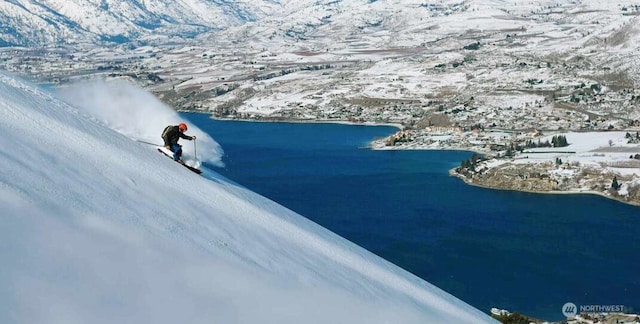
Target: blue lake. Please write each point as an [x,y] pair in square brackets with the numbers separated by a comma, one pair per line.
[529,253]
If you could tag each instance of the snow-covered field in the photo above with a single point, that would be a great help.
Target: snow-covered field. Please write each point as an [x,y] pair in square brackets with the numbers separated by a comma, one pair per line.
[587,147]
[604,163]
[99,228]
[544,64]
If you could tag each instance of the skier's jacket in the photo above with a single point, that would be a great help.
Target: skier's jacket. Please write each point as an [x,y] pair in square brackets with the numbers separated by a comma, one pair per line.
[172,134]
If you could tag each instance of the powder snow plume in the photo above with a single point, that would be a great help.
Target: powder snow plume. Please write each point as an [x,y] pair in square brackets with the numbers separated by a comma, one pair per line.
[139,115]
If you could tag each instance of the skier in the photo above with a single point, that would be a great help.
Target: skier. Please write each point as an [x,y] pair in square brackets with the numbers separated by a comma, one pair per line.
[171,135]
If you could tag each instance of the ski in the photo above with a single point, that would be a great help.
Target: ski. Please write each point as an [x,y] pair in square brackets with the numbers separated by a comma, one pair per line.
[198,171]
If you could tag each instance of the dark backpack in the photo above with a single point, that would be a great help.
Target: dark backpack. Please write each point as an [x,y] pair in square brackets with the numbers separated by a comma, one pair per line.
[165,131]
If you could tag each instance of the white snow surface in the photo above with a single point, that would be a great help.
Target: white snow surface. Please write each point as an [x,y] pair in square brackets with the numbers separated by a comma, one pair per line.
[98,228]
[139,115]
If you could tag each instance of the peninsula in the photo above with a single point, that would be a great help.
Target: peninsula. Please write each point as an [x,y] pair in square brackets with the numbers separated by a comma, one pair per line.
[606,163]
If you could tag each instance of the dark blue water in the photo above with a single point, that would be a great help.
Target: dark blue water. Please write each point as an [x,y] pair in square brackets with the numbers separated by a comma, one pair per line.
[525,252]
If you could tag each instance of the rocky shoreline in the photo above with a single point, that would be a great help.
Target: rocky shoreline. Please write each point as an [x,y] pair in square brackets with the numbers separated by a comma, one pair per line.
[599,163]
[497,171]
[552,178]
[538,186]
[505,316]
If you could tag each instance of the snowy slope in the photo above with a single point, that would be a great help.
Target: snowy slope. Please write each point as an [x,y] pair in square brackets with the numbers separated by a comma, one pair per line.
[97,228]
[315,25]
[31,22]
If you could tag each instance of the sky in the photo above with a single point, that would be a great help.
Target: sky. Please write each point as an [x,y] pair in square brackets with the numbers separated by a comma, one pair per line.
[99,228]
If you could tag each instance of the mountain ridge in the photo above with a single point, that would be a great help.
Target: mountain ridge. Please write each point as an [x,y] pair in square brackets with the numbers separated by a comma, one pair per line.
[57,22]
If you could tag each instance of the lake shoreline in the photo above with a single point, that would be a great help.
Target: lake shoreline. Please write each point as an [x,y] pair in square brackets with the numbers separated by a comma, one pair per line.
[377,145]
[408,198]
[303,121]
[453,173]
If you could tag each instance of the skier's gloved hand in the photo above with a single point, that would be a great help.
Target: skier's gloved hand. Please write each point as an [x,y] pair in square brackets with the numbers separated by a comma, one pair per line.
[193,137]
[168,147]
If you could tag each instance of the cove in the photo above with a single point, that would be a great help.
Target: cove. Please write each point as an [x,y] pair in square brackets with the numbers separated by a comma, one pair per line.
[524,252]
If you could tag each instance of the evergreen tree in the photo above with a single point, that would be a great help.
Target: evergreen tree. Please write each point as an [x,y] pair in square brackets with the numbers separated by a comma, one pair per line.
[614,184]
[562,141]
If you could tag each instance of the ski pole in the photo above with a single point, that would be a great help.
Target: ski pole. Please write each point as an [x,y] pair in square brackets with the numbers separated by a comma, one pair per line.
[148,143]
[195,149]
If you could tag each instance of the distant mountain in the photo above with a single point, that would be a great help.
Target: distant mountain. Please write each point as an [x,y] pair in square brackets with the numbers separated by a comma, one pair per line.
[37,23]
[322,25]
[318,24]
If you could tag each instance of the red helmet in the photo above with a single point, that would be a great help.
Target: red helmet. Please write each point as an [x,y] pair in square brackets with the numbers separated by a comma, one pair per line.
[183,127]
